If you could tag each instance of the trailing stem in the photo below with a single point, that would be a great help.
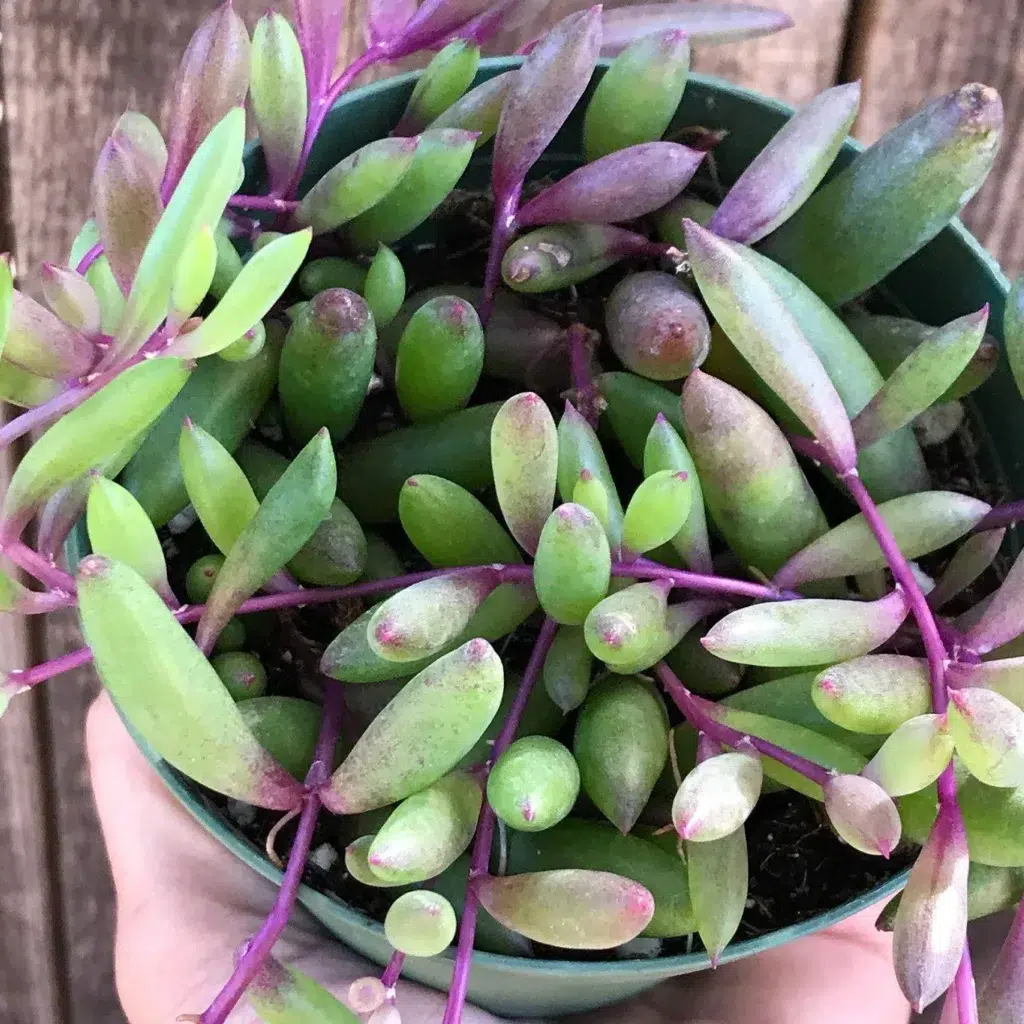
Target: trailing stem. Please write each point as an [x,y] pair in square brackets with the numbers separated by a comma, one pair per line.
[255,956]
[501,234]
[480,857]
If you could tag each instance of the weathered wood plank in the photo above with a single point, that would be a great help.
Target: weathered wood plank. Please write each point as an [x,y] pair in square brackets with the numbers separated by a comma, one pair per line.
[907,51]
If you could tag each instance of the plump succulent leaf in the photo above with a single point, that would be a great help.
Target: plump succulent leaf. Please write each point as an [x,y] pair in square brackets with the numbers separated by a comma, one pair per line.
[718,876]
[893,197]
[789,168]
[638,94]
[758,323]
[931,924]
[119,529]
[278,95]
[534,784]
[479,110]
[288,727]
[68,294]
[621,747]
[420,923]
[657,511]
[423,733]
[567,668]
[289,515]
[572,568]
[384,287]
[448,75]
[428,831]
[1003,617]
[243,674]
[913,757]
[318,25]
[988,730]
[280,994]
[168,690]
[813,631]
[1013,331]
[1001,999]
[862,813]
[716,798]
[524,455]
[39,342]
[570,908]
[874,694]
[969,561]
[94,432]
[1004,676]
[921,523]
[194,276]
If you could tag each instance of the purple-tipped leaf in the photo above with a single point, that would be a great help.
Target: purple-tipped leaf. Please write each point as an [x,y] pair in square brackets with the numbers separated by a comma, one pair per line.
[434,23]
[619,187]
[718,874]
[41,343]
[971,559]
[988,730]
[72,298]
[385,19]
[212,79]
[542,96]
[931,924]
[913,757]
[789,168]
[1013,331]
[759,324]
[704,23]
[571,908]
[716,798]
[863,814]
[524,455]
[1003,619]
[1001,1000]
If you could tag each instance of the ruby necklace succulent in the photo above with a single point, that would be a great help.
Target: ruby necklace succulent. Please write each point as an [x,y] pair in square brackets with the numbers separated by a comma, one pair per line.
[639,386]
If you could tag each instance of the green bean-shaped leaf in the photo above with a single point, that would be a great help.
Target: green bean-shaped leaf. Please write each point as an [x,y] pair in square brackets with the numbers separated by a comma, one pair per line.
[194,276]
[120,529]
[524,455]
[260,284]
[437,165]
[716,798]
[534,784]
[326,364]
[288,727]
[579,450]
[893,197]
[1013,331]
[789,168]
[217,487]
[921,379]
[421,620]
[913,757]
[423,733]
[621,747]
[571,908]
[457,448]
[624,626]
[420,923]
[863,814]
[717,874]
[1005,676]
[440,358]
[479,110]
[384,287]
[282,995]
[39,342]
[873,694]
[988,730]
[168,690]
[292,510]
[229,263]
[1003,617]
[277,90]
[69,295]
[806,632]
[572,568]
[758,323]
[357,184]
[199,198]
[223,399]
[657,511]
[638,94]
[663,450]
[24,389]
[332,272]
[889,340]
[428,831]
[921,523]
[448,75]
[969,561]
[100,277]
[244,676]
[567,668]
[94,432]
[579,843]
[755,491]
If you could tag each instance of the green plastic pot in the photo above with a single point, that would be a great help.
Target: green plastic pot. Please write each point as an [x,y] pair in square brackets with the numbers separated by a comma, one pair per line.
[951,276]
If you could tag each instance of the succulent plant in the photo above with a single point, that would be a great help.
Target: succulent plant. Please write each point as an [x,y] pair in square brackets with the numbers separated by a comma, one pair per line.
[452,496]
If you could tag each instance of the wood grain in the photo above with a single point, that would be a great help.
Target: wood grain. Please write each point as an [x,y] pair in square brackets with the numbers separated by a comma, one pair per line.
[908,51]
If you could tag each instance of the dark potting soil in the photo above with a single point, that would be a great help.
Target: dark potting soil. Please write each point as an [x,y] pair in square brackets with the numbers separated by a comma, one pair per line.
[798,867]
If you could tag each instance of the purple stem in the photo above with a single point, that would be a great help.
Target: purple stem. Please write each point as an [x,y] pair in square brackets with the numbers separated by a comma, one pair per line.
[48,669]
[90,258]
[393,971]
[701,713]
[263,203]
[503,228]
[1001,515]
[34,564]
[478,865]
[320,106]
[809,448]
[252,961]
[966,991]
[642,568]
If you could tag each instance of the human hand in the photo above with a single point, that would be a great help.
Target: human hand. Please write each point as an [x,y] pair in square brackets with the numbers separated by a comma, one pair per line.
[185,903]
